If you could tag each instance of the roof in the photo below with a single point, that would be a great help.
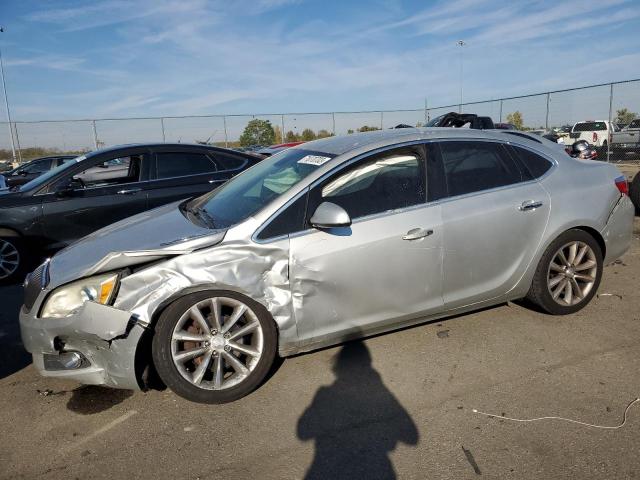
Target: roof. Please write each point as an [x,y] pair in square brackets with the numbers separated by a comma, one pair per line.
[156,145]
[381,138]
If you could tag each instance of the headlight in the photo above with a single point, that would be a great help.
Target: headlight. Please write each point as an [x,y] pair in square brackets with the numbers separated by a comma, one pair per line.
[65,300]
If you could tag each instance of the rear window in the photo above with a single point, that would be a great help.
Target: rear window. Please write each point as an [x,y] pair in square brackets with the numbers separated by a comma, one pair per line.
[589,126]
[229,162]
[535,164]
[182,164]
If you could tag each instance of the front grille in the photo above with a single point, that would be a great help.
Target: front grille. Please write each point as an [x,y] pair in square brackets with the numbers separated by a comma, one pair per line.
[34,283]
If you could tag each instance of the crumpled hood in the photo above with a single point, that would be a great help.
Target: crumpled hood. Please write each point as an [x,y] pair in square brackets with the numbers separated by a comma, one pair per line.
[145,237]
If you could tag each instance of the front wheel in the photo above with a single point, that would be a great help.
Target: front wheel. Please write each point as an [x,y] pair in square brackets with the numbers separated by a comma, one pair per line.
[214,346]
[568,274]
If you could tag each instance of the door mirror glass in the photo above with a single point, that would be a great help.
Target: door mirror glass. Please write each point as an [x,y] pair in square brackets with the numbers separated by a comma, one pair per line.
[330,215]
[66,189]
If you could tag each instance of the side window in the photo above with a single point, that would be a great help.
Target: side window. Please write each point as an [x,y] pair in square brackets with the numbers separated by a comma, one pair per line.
[475,166]
[388,181]
[634,124]
[534,163]
[115,171]
[289,220]
[180,164]
[229,162]
[37,167]
[436,183]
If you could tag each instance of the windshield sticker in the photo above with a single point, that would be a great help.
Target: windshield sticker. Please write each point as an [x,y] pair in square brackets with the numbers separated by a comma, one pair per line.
[316,160]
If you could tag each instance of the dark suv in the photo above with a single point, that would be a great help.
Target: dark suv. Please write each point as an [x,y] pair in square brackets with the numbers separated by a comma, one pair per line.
[102,187]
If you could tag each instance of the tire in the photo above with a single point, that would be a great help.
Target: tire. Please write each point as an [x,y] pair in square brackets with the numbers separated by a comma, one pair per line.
[240,366]
[548,277]
[602,152]
[634,192]
[11,251]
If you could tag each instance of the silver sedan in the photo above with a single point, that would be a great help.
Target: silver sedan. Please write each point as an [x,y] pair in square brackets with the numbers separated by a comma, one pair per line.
[335,239]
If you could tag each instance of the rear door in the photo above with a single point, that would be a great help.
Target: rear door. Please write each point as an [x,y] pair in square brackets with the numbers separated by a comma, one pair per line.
[184,173]
[107,188]
[493,218]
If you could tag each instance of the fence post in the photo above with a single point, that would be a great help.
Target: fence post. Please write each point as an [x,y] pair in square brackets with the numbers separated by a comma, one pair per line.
[546,121]
[426,111]
[501,111]
[610,119]
[162,126]
[282,123]
[95,134]
[381,120]
[15,125]
[333,119]
[226,138]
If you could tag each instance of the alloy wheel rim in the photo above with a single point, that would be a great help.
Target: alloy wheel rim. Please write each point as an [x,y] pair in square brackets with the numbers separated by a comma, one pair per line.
[572,273]
[217,343]
[9,259]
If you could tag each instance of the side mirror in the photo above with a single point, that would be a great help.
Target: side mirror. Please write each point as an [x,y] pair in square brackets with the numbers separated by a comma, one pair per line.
[330,215]
[66,189]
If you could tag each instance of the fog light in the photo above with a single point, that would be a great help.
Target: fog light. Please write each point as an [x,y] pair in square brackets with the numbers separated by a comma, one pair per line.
[65,361]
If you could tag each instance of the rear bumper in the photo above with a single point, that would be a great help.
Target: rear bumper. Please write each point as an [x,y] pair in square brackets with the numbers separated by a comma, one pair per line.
[618,232]
[107,357]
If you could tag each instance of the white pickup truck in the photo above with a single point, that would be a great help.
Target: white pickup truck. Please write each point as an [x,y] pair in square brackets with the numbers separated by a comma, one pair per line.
[598,133]
[627,139]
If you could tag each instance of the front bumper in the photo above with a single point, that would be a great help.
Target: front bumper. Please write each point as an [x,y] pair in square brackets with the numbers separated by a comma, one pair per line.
[106,339]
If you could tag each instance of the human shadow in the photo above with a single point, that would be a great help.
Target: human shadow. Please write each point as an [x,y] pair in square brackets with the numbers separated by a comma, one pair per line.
[355,422]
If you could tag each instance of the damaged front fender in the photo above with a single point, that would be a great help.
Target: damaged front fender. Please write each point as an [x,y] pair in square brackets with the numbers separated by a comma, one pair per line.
[259,271]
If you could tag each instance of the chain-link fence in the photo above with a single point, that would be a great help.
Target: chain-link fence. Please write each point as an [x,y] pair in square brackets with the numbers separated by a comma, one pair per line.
[610,107]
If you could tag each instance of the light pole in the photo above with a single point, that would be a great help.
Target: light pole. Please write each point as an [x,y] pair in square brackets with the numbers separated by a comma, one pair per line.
[461,43]
[6,102]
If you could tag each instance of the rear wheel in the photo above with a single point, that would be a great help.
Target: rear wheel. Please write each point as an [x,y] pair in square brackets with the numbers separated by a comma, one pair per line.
[214,346]
[634,192]
[11,260]
[568,274]
[602,151]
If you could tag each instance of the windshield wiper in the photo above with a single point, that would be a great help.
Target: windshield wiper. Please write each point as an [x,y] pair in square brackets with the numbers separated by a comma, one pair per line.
[202,215]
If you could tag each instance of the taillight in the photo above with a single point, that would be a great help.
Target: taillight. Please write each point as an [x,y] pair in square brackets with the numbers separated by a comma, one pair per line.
[623,186]
[595,137]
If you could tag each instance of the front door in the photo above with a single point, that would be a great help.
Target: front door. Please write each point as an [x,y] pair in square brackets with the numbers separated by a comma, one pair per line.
[385,267]
[108,190]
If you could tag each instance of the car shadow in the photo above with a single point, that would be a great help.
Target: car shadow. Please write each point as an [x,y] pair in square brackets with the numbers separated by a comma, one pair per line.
[355,422]
[91,399]
[13,356]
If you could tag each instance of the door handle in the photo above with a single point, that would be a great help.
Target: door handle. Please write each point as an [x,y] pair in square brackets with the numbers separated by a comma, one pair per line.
[529,205]
[130,191]
[417,233]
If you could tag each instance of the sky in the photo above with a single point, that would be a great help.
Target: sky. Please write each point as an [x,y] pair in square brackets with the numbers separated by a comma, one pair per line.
[69,59]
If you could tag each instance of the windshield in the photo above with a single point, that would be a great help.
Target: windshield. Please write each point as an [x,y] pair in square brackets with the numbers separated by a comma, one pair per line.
[589,126]
[254,189]
[42,179]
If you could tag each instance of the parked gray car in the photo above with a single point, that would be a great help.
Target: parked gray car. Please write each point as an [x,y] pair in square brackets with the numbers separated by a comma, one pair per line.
[335,239]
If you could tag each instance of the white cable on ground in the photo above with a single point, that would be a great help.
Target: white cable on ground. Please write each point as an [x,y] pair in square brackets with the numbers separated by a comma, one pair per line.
[561,418]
